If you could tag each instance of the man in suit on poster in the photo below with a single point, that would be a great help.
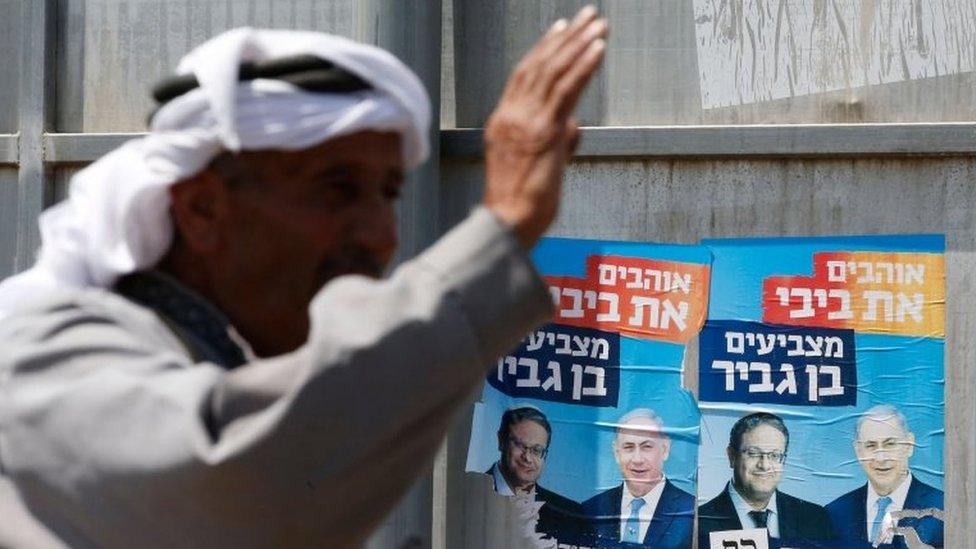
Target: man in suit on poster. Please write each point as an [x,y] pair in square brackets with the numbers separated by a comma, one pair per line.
[757,451]
[646,508]
[883,445]
[523,441]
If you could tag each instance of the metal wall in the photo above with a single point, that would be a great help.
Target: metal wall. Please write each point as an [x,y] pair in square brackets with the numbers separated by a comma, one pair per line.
[865,105]
[862,106]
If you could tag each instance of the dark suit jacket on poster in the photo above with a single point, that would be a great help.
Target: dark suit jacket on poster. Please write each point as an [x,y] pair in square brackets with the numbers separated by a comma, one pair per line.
[800,522]
[560,518]
[671,526]
[849,516]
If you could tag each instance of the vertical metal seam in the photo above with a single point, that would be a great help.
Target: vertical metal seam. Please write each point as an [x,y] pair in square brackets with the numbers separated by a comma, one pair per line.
[34,115]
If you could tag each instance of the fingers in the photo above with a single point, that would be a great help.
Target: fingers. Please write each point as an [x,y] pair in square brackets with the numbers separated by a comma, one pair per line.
[569,87]
[538,71]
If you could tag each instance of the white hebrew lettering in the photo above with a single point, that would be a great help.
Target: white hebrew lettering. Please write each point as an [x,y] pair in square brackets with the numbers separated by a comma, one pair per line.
[564,348]
[599,386]
[639,302]
[613,312]
[582,346]
[728,367]
[679,315]
[533,378]
[766,344]
[879,277]
[636,281]
[868,269]
[788,384]
[912,306]
[577,310]
[797,350]
[836,272]
[845,312]
[656,275]
[766,385]
[834,388]
[915,274]
[784,296]
[535,341]
[873,297]
[735,343]
[590,297]
[816,346]
[608,274]
[806,294]
[601,349]
[682,282]
[555,379]
[834,347]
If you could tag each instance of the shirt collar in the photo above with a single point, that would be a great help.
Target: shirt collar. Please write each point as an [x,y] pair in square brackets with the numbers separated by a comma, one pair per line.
[650,499]
[898,496]
[202,327]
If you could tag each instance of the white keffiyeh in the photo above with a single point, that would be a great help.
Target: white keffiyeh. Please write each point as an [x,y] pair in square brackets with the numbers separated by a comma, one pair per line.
[116,217]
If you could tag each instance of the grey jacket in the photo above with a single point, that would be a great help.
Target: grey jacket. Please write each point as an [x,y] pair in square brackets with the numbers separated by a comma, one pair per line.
[111,435]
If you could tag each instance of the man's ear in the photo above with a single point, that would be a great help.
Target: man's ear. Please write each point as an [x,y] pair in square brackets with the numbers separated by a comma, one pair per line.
[198,206]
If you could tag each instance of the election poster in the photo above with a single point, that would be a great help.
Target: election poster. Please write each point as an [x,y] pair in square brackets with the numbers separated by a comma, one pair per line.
[588,415]
[821,393]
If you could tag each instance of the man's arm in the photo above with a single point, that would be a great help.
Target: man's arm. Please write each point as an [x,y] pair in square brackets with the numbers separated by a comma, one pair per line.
[120,436]
[112,435]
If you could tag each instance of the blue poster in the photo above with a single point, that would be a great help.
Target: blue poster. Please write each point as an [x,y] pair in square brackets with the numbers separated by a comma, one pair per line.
[821,392]
[588,415]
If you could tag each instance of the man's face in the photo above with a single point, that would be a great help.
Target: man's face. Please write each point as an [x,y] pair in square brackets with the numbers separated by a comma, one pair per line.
[523,453]
[757,464]
[883,449]
[640,449]
[306,217]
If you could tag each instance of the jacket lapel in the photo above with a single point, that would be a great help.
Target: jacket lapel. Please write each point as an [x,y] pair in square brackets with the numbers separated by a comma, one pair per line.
[663,515]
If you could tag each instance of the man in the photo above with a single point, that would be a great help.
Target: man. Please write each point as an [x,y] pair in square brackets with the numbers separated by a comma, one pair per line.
[523,442]
[757,452]
[202,354]
[883,445]
[646,508]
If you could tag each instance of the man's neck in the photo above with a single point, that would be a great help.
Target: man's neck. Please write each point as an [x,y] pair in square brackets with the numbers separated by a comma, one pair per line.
[269,328]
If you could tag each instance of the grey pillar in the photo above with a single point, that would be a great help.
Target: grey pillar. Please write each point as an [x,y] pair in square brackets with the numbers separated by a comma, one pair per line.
[21,207]
[412,32]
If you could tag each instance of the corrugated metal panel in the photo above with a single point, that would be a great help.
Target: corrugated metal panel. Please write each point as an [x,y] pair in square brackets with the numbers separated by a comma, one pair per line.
[742,61]
[9,63]
[112,50]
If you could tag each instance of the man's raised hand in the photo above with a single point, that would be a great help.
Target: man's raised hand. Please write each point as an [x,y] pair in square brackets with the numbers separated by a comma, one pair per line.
[531,134]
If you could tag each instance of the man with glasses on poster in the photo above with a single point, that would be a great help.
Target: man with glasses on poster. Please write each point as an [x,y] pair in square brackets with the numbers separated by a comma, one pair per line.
[524,435]
[757,450]
[883,445]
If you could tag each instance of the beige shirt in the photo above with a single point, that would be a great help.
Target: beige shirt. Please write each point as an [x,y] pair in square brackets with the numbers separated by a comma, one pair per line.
[111,436]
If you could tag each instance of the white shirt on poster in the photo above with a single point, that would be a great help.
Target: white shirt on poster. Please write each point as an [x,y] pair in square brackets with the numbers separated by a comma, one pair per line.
[646,513]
